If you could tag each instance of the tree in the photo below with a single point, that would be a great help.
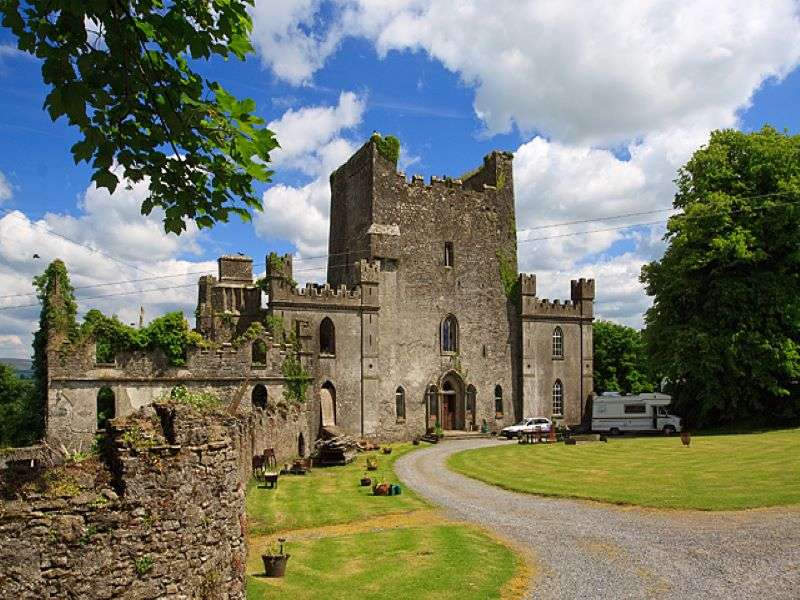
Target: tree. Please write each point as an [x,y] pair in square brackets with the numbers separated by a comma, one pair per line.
[724,327]
[119,71]
[620,359]
[18,409]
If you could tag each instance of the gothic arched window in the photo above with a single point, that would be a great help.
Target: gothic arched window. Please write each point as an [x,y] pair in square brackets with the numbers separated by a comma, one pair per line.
[449,334]
[327,337]
[259,396]
[558,398]
[558,343]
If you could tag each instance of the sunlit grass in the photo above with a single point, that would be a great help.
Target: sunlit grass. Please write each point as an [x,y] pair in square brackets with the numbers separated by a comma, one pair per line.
[327,495]
[346,543]
[716,472]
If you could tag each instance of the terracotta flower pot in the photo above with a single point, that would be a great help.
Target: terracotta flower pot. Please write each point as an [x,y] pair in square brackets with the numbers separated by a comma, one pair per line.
[275,564]
[686,438]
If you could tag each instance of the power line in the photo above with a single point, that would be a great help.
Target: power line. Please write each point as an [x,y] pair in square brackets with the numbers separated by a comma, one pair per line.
[51,232]
[172,287]
[431,242]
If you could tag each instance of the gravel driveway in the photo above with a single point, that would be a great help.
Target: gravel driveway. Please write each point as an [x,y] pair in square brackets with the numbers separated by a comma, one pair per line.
[593,550]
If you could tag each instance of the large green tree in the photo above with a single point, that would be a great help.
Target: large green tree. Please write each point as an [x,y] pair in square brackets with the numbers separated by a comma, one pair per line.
[121,71]
[724,327]
[620,359]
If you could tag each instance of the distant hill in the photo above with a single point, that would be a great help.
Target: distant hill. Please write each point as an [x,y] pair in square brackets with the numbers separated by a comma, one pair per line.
[23,366]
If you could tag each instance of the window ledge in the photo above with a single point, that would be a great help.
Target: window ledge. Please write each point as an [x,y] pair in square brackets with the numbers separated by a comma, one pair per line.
[400,420]
[327,355]
[498,415]
[449,352]
[558,357]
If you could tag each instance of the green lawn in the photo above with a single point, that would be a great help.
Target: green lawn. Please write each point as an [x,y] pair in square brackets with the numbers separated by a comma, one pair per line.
[716,472]
[327,496]
[436,561]
[346,543]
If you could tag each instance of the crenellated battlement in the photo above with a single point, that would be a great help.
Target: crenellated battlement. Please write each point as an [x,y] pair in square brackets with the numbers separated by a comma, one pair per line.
[579,307]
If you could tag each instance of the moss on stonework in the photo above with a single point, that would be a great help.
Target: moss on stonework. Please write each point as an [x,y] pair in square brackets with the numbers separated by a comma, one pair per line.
[508,276]
[501,180]
[388,147]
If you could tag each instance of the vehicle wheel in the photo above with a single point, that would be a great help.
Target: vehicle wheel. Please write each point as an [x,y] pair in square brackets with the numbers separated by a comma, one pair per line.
[668,430]
[614,431]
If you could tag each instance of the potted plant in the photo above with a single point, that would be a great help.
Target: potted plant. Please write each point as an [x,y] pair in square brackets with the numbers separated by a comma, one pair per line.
[381,489]
[366,481]
[386,450]
[686,438]
[275,560]
[415,441]
[438,431]
[372,463]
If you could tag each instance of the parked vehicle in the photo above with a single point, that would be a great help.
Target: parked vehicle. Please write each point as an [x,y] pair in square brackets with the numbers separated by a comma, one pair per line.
[527,424]
[614,413]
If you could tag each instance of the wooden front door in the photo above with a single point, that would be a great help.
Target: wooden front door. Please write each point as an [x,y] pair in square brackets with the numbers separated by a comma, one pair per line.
[449,411]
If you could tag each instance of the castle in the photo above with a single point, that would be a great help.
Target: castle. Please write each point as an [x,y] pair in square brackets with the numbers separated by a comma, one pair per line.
[423,322]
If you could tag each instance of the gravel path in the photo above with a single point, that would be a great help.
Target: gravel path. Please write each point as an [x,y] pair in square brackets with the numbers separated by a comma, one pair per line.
[593,550]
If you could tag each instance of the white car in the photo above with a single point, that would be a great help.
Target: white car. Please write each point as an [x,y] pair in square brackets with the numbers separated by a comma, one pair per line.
[528,424]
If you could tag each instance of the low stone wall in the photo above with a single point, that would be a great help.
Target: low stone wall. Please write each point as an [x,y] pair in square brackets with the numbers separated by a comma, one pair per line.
[160,514]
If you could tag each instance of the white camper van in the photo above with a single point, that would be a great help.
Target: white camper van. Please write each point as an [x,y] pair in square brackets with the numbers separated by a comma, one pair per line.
[614,413]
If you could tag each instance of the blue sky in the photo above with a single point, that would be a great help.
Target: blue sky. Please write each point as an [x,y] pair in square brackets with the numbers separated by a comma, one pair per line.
[600,109]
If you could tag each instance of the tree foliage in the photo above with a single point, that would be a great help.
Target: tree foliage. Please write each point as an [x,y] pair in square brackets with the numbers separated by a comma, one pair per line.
[119,71]
[19,409]
[170,333]
[620,360]
[724,327]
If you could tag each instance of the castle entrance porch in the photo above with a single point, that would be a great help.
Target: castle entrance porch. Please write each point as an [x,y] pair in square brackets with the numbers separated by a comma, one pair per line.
[452,404]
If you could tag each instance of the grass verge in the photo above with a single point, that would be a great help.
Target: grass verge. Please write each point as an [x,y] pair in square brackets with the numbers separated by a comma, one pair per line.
[346,543]
[327,496]
[716,472]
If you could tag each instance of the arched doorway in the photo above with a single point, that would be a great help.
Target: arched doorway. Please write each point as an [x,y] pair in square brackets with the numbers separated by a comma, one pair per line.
[452,405]
[327,404]
[259,397]
[106,406]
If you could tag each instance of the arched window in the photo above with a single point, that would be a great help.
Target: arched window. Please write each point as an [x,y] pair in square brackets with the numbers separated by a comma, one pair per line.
[259,396]
[259,352]
[498,400]
[400,403]
[558,343]
[449,334]
[106,406]
[433,405]
[558,398]
[327,337]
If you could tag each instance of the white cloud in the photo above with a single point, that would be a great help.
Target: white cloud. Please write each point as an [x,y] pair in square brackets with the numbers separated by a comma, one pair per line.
[303,132]
[313,144]
[5,188]
[283,33]
[578,71]
[109,225]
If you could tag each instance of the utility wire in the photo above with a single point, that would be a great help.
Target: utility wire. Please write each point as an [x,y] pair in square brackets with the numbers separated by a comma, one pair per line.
[325,256]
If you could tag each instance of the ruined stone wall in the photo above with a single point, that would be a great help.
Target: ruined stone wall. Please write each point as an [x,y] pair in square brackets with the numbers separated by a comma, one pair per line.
[162,517]
[139,378]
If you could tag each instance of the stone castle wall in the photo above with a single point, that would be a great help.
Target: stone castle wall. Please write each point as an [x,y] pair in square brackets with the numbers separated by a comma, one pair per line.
[162,516]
